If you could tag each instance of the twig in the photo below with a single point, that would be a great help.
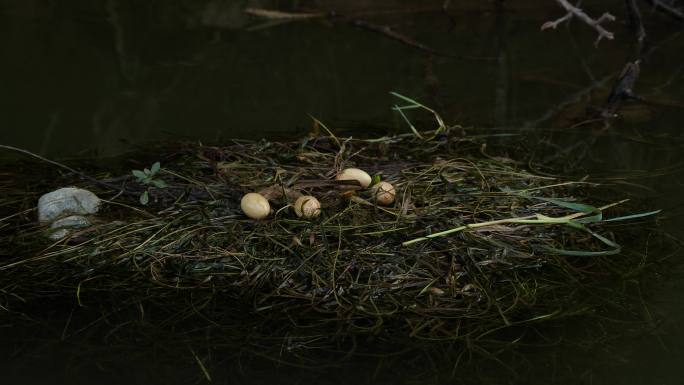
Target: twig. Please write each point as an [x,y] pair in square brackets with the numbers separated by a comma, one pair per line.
[394,35]
[383,30]
[667,8]
[573,11]
[635,20]
[622,90]
[52,162]
[575,97]
[579,95]
[555,23]
[280,15]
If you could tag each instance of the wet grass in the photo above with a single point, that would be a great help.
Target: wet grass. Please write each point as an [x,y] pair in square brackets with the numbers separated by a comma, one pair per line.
[474,250]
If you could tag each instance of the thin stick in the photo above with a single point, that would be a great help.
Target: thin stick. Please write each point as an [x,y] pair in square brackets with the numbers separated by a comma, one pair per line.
[667,8]
[635,20]
[52,162]
[573,11]
[280,15]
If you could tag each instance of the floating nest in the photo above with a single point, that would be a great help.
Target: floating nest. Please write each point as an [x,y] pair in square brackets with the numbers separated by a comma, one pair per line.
[474,244]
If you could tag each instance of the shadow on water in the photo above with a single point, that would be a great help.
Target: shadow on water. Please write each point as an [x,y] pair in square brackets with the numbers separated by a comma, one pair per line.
[84,79]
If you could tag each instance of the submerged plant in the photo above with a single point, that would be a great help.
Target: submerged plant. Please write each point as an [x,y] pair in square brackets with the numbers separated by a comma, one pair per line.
[148,177]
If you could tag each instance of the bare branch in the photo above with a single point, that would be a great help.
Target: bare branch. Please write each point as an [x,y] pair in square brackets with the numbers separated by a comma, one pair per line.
[555,23]
[635,20]
[669,9]
[574,11]
[623,89]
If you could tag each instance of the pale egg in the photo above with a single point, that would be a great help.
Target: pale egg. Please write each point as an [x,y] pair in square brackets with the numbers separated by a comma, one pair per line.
[307,207]
[355,174]
[255,206]
[383,193]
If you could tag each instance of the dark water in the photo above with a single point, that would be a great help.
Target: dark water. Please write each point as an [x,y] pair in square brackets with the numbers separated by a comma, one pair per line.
[83,78]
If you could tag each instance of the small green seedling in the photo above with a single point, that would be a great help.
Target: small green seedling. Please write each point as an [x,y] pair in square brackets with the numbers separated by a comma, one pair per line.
[147,177]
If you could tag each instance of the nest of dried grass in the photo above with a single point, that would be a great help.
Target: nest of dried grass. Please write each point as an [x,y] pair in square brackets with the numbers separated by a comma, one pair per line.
[520,244]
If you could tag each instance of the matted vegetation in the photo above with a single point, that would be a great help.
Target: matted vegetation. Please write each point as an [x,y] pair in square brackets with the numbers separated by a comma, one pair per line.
[516,242]
[475,245]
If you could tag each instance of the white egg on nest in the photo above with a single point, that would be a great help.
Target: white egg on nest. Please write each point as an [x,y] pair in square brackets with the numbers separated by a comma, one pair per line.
[383,193]
[255,206]
[307,207]
[355,174]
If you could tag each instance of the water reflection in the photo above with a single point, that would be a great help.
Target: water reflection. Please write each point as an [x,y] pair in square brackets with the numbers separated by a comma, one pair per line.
[86,76]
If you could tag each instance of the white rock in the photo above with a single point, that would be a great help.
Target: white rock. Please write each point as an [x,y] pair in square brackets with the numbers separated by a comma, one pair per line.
[58,234]
[65,202]
[73,221]
[62,227]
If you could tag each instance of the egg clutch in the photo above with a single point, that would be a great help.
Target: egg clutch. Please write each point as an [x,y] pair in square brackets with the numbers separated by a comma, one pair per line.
[257,206]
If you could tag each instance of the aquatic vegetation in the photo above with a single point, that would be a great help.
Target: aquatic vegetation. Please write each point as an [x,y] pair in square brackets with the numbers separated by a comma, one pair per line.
[447,245]
[472,247]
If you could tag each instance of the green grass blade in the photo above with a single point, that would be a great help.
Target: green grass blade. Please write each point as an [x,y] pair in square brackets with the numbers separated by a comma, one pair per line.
[579,253]
[411,107]
[598,217]
[581,207]
[579,226]
[633,216]
[603,239]
[415,132]
[407,99]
